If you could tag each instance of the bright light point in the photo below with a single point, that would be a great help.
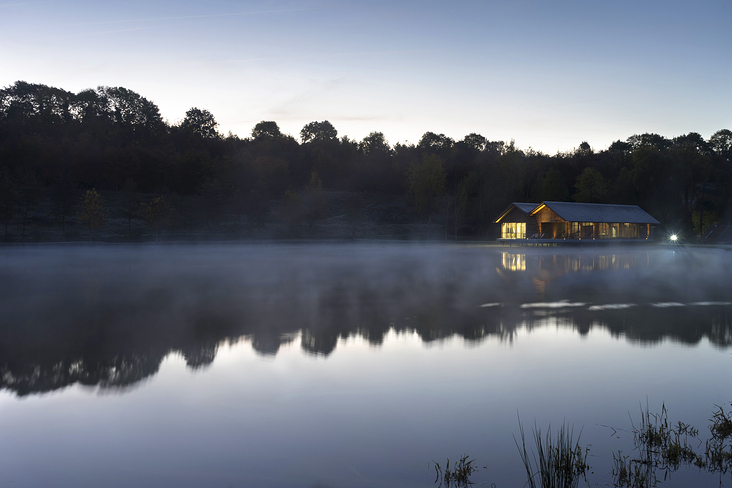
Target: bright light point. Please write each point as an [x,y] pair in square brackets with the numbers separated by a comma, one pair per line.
[674,237]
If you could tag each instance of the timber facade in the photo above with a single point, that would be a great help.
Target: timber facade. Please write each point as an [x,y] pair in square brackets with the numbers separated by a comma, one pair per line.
[562,221]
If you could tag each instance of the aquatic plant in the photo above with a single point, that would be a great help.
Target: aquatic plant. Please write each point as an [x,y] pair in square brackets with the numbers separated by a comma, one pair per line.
[458,475]
[721,424]
[663,447]
[558,462]
[660,448]
[718,454]
[628,474]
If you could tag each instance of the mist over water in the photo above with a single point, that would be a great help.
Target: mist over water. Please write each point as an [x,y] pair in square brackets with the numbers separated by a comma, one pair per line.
[343,364]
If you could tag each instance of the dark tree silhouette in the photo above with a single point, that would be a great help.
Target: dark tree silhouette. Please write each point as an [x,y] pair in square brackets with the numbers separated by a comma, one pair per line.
[200,122]
[102,138]
[266,129]
[318,132]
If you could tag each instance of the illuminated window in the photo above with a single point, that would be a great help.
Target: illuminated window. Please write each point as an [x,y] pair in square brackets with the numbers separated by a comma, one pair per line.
[513,230]
[614,231]
[574,230]
[604,230]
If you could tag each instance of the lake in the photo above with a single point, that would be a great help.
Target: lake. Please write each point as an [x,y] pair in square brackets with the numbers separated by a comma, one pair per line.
[348,365]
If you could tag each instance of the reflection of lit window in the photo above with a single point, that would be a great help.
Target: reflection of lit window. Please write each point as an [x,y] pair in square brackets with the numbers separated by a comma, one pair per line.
[513,230]
[514,262]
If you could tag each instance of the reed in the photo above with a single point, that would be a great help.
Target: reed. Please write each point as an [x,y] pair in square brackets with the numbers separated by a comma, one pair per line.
[628,474]
[558,462]
[458,476]
[721,427]
[661,447]
[718,454]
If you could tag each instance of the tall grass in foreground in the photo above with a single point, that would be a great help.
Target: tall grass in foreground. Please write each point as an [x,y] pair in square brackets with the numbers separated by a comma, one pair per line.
[558,462]
[662,447]
[659,447]
[457,476]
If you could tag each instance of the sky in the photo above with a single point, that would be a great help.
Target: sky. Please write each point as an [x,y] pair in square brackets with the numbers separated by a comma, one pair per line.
[548,74]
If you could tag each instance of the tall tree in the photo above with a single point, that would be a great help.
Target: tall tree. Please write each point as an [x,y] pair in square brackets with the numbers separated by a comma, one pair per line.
[584,149]
[375,142]
[200,122]
[656,141]
[266,129]
[475,141]
[39,105]
[318,132]
[690,155]
[130,109]
[435,142]
[721,144]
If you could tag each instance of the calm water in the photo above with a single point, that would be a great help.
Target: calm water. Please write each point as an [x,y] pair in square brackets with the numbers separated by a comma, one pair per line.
[350,365]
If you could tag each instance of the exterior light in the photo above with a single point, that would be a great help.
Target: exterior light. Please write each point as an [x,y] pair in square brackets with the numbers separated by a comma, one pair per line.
[674,238]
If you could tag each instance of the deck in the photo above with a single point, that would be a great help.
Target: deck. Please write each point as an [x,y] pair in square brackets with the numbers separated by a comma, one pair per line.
[570,242]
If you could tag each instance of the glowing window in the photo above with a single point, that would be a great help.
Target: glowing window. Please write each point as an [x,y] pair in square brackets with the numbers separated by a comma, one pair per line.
[513,230]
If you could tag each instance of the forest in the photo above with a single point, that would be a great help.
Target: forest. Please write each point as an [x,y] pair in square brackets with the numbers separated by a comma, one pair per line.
[103,164]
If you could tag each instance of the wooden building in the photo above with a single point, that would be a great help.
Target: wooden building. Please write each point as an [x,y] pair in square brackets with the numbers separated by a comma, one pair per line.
[516,223]
[575,221]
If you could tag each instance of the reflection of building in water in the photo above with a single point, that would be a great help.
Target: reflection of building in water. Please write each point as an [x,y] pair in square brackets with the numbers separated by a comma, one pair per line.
[575,221]
[559,264]
[545,268]
[513,261]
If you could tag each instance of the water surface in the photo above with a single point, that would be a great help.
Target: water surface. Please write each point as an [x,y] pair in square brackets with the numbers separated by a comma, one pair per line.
[347,365]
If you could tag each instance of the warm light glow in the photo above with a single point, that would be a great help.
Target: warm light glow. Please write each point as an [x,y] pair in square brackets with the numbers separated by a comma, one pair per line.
[674,237]
[514,262]
[513,230]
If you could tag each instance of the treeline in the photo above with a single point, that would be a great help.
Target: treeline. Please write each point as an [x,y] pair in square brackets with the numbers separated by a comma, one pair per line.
[58,146]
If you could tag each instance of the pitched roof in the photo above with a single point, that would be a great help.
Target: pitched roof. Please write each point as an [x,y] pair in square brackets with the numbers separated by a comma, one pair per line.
[524,207]
[596,212]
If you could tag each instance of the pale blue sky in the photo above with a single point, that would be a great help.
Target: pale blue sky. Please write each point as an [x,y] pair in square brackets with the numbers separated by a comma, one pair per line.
[549,74]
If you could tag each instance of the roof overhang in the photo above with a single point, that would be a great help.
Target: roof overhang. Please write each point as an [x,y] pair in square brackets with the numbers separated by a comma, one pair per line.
[513,205]
[537,209]
[505,212]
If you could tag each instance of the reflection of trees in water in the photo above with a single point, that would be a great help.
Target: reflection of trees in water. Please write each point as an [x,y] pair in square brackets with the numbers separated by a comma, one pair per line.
[37,369]
[645,324]
[269,343]
[114,330]
[201,355]
[39,377]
